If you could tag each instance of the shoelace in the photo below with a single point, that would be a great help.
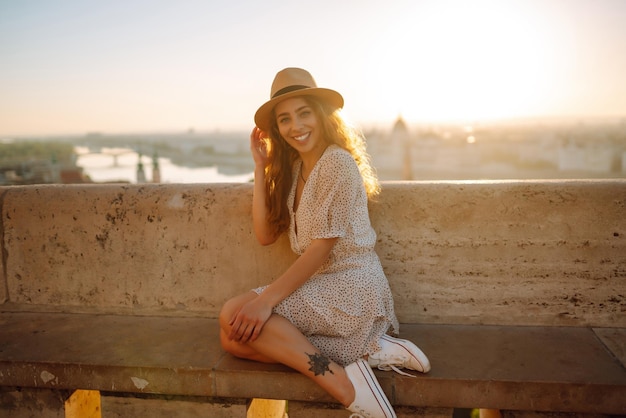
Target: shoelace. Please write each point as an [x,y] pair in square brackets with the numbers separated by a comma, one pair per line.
[392,363]
[387,367]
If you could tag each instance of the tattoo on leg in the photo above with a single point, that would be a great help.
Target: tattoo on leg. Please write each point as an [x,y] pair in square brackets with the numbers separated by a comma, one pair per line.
[319,364]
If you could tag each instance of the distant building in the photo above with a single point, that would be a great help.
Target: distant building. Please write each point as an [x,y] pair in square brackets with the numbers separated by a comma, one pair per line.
[141,174]
[426,154]
[156,171]
[401,138]
[391,154]
[585,157]
[498,151]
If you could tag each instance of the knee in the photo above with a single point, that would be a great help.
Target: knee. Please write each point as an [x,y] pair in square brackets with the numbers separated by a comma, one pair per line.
[226,313]
[234,348]
[227,344]
[231,307]
[224,320]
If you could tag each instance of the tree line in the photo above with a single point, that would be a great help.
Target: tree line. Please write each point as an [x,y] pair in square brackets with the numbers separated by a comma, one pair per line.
[23,151]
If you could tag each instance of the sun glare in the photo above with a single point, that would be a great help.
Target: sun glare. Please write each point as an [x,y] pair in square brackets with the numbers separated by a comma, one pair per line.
[466,61]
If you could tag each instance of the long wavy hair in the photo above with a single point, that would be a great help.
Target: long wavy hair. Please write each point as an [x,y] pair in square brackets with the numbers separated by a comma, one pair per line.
[281,157]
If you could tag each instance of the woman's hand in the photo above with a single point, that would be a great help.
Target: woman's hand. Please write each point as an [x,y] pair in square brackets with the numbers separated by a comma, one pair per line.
[247,323]
[258,147]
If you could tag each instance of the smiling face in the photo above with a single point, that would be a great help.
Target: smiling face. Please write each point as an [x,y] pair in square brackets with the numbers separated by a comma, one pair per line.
[299,125]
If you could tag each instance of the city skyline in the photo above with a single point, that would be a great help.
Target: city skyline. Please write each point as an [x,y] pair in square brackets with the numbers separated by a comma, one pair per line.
[71,67]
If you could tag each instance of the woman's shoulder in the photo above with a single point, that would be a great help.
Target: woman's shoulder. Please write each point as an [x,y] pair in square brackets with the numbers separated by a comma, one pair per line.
[335,154]
[336,163]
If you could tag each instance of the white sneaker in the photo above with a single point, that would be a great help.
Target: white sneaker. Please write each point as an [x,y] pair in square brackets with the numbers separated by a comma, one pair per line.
[396,354]
[370,400]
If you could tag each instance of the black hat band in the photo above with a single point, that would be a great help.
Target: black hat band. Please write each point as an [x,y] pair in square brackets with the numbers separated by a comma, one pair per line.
[289,89]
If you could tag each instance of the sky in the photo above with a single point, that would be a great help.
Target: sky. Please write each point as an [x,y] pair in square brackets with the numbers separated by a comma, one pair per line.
[130,66]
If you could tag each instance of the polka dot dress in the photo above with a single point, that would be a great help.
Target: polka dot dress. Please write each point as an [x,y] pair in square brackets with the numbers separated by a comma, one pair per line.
[346,306]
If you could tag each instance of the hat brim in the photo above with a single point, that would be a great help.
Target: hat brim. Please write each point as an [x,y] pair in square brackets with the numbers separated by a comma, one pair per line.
[263,116]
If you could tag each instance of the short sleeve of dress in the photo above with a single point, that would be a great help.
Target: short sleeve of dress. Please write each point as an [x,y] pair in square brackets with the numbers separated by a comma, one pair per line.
[338,184]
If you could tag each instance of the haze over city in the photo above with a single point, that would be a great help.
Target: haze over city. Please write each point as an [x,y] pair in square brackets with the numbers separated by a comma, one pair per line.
[72,67]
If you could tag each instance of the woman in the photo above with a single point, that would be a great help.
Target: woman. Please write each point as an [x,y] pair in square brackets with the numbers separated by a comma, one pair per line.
[332,307]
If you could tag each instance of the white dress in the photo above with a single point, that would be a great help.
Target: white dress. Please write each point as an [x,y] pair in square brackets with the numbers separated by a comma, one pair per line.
[346,306]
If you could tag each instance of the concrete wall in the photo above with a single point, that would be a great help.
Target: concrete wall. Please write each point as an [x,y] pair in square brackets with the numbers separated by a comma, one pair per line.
[528,253]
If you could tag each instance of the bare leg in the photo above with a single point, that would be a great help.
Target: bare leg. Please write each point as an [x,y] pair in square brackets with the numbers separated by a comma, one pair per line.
[281,342]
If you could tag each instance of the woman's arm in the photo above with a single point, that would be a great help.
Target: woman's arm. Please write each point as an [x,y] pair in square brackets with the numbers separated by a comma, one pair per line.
[299,272]
[248,322]
[262,230]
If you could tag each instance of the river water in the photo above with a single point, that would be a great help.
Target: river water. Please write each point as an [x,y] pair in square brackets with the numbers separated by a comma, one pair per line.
[101,167]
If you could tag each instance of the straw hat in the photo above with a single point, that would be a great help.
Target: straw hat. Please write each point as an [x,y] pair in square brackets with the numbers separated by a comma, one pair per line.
[292,82]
